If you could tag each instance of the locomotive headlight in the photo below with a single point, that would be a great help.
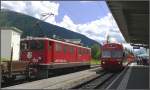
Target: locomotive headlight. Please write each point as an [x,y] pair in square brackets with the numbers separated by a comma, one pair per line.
[29,55]
[103,62]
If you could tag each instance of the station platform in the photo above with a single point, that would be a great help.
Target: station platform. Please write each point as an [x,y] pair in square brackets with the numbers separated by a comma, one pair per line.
[135,77]
[60,82]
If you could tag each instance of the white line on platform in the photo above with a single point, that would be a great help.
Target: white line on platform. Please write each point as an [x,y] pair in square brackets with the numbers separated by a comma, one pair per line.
[124,82]
[133,64]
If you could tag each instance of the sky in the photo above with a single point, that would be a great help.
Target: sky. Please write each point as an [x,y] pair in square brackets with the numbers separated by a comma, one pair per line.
[90,18]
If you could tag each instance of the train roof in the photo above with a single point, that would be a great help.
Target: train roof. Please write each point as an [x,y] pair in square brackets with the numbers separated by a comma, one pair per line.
[112,44]
[45,38]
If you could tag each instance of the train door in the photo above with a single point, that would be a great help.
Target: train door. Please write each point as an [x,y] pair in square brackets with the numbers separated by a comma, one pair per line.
[66,53]
[76,53]
[79,54]
[50,52]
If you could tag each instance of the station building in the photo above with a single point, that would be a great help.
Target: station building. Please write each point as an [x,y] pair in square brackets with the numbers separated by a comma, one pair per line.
[10,41]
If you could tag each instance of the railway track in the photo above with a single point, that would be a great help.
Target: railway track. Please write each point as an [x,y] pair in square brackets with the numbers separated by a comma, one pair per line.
[98,82]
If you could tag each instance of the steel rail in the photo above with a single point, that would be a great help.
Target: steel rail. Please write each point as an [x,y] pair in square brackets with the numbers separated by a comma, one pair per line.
[96,82]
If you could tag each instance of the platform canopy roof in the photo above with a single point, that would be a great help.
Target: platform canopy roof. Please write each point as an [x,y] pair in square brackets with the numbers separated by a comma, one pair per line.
[132,18]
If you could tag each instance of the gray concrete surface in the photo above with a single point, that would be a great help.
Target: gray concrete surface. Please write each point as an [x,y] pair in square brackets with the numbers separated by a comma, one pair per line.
[136,77]
[60,82]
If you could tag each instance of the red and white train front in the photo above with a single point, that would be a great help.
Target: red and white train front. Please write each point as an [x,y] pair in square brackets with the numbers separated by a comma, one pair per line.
[33,51]
[112,57]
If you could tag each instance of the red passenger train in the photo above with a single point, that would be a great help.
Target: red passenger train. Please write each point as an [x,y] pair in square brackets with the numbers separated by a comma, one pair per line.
[46,54]
[113,57]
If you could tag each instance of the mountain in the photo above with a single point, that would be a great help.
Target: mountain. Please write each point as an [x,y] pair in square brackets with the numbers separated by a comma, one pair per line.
[30,27]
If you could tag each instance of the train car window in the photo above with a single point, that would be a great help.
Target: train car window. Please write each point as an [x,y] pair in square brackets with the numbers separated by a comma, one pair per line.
[58,47]
[36,45]
[79,51]
[82,51]
[87,51]
[117,54]
[106,54]
[65,49]
[71,50]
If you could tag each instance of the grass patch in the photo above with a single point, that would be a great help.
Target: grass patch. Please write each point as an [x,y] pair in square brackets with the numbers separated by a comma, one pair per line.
[4,59]
[95,62]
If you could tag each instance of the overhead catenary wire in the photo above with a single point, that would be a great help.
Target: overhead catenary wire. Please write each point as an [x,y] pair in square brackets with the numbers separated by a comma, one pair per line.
[43,17]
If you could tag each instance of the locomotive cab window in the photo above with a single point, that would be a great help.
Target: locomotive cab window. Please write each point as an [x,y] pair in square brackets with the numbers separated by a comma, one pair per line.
[79,51]
[36,45]
[113,54]
[106,54]
[24,46]
[117,54]
[58,47]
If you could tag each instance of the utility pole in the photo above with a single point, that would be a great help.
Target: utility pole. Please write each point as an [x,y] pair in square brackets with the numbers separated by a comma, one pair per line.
[0,72]
[11,59]
[0,62]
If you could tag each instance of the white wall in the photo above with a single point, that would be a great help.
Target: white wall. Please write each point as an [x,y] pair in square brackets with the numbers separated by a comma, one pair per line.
[5,44]
[10,38]
[15,42]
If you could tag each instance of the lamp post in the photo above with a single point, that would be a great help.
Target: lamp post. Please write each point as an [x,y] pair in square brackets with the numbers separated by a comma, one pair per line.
[0,72]
[0,62]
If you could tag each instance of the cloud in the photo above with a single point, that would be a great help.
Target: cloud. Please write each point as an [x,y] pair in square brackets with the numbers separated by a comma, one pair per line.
[32,8]
[96,29]
[88,1]
[17,6]
[68,23]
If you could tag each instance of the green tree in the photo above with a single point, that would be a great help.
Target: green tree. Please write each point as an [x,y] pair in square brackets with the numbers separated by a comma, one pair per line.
[95,51]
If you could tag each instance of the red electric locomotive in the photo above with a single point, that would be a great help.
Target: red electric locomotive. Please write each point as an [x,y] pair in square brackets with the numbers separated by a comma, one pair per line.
[112,57]
[47,54]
